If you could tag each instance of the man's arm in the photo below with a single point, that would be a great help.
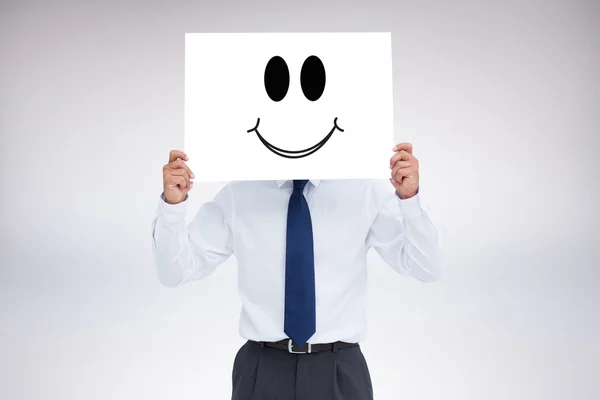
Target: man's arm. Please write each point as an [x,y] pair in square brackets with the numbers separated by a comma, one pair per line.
[185,253]
[404,234]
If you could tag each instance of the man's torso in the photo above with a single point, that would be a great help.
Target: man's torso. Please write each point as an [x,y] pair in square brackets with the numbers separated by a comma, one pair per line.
[342,213]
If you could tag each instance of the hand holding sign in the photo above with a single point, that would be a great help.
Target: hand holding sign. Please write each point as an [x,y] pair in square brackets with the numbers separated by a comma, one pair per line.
[177,178]
[405,171]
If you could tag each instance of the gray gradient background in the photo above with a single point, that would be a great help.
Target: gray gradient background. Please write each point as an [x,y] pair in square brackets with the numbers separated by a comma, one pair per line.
[500,100]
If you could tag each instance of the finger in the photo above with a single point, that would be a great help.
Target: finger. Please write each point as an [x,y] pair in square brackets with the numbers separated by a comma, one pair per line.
[401,155]
[400,172]
[402,164]
[181,172]
[180,164]
[396,177]
[175,154]
[176,180]
[404,146]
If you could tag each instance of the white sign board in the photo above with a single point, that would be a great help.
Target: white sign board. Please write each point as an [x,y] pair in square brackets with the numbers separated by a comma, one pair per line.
[265,106]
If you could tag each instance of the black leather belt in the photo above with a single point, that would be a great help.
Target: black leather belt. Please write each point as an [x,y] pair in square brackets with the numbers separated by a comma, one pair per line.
[287,344]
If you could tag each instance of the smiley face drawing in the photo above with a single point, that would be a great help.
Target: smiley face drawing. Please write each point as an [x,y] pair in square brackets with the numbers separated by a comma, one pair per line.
[261,106]
[277,84]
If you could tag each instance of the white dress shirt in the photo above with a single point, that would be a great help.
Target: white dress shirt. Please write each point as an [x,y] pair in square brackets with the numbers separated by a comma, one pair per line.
[248,220]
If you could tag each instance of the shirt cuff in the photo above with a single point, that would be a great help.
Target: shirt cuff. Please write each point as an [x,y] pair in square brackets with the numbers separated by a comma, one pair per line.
[410,207]
[172,212]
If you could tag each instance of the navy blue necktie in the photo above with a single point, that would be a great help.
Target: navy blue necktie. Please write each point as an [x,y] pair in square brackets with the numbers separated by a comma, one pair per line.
[300,318]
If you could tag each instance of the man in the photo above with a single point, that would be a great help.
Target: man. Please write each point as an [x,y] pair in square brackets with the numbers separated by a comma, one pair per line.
[301,249]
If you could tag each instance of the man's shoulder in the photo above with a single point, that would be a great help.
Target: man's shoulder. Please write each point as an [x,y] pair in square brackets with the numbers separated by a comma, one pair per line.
[365,184]
[242,188]
[249,184]
[371,190]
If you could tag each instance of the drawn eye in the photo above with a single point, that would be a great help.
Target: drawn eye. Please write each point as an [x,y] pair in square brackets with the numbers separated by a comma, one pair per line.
[312,78]
[277,78]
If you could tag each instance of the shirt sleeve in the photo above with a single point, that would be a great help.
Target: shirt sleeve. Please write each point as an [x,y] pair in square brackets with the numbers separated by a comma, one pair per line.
[183,252]
[404,234]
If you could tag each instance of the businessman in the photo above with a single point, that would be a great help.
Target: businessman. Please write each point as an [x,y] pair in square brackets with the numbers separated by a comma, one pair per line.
[301,248]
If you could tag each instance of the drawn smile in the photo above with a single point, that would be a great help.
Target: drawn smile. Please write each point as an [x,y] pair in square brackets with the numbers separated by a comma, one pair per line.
[295,153]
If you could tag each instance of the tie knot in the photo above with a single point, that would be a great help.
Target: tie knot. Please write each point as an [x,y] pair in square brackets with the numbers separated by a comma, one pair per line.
[299,184]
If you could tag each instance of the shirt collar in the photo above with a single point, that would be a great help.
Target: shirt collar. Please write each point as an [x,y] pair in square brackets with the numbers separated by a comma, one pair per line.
[280,183]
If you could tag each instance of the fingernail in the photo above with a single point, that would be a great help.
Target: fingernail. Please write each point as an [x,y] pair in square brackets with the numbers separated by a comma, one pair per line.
[192,175]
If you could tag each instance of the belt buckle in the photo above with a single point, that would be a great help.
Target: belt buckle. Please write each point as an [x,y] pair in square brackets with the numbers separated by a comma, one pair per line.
[291,348]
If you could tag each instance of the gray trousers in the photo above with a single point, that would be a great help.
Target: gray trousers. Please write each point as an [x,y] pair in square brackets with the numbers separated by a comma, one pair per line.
[264,373]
